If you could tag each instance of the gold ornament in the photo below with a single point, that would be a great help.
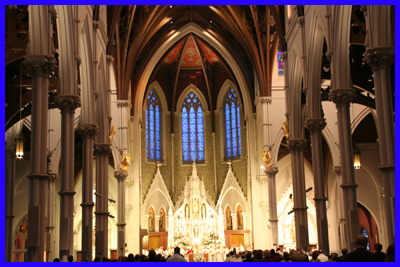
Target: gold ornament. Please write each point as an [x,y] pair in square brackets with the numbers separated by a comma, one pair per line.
[126,161]
[267,158]
[285,131]
[112,133]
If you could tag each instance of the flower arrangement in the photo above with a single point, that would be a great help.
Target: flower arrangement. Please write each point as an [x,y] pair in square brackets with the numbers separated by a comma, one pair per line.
[206,241]
[177,236]
[213,234]
[185,241]
[199,259]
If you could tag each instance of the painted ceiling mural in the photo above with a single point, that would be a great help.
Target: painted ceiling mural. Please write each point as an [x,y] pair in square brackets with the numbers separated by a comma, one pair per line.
[191,56]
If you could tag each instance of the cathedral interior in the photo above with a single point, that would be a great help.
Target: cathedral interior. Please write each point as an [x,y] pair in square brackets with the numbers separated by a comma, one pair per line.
[130,127]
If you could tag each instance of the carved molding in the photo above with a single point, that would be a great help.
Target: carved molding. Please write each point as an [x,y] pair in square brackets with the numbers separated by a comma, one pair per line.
[379,57]
[120,175]
[67,103]
[10,153]
[317,124]
[337,170]
[102,149]
[122,103]
[272,171]
[53,177]
[297,144]
[87,130]
[262,179]
[40,65]
[110,59]
[342,96]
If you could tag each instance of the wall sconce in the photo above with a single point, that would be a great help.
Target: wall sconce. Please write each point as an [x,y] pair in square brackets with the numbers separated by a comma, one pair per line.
[357,161]
[19,147]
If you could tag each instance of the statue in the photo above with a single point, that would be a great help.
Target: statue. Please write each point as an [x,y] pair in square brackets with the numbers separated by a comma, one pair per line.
[161,222]
[151,221]
[240,218]
[203,212]
[228,220]
[125,162]
[187,212]
[285,131]
[267,158]
[112,133]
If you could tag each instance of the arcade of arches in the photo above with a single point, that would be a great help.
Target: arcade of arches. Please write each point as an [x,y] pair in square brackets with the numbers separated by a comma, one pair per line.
[133,127]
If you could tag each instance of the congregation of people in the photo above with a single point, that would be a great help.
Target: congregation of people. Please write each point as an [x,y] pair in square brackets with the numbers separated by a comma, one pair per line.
[237,254]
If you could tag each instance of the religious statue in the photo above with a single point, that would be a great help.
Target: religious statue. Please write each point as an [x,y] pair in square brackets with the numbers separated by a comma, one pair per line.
[161,222]
[228,219]
[187,212]
[285,131]
[203,212]
[112,133]
[240,218]
[267,158]
[125,162]
[196,231]
[151,220]
[195,209]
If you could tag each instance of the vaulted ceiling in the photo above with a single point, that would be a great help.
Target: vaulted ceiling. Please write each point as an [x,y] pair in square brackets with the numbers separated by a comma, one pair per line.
[248,33]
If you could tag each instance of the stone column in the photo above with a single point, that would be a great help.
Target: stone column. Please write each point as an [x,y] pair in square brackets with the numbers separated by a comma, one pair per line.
[381,59]
[342,99]
[102,151]
[296,147]
[87,131]
[273,213]
[234,221]
[121,176]
[315,126]
[9,191]
[342,238]
[40,68]
[50,255]
[67,104]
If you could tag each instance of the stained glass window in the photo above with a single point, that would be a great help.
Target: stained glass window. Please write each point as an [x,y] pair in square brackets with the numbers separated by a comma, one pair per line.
[365,233]
[192,129]
[280,64]
[232,125]
[153,126]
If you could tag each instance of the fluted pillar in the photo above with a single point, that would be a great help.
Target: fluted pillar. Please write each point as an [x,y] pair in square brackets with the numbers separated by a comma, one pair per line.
[50,255]
[315,126]
[40,68]
[102,151]
[9,191]
[381,59]
[342,99]
[273,213]
[121,176]
[87,131]
[296,147]
[342,237]
[67,104]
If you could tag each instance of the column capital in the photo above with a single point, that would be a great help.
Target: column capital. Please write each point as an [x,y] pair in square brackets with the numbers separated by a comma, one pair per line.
[262,179]
[337,170]
[40,65]
[284,55]
[315,124]
[10,152]
[67,103]
[379,57]
[271,171]
[341,96]
[87,130]
[122,103]
[121,175]
[265,100]
[102,149]
[53,177]
[110,59]
[297,144]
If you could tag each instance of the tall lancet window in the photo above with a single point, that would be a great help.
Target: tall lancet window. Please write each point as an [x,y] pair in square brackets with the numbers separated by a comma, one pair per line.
[192,129]
[232,125]
[153,127]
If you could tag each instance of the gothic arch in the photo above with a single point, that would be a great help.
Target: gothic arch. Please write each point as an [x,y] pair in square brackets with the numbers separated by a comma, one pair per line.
[195,90]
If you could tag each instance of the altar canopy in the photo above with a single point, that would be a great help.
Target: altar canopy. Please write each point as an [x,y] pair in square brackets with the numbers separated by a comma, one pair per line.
[196,221]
